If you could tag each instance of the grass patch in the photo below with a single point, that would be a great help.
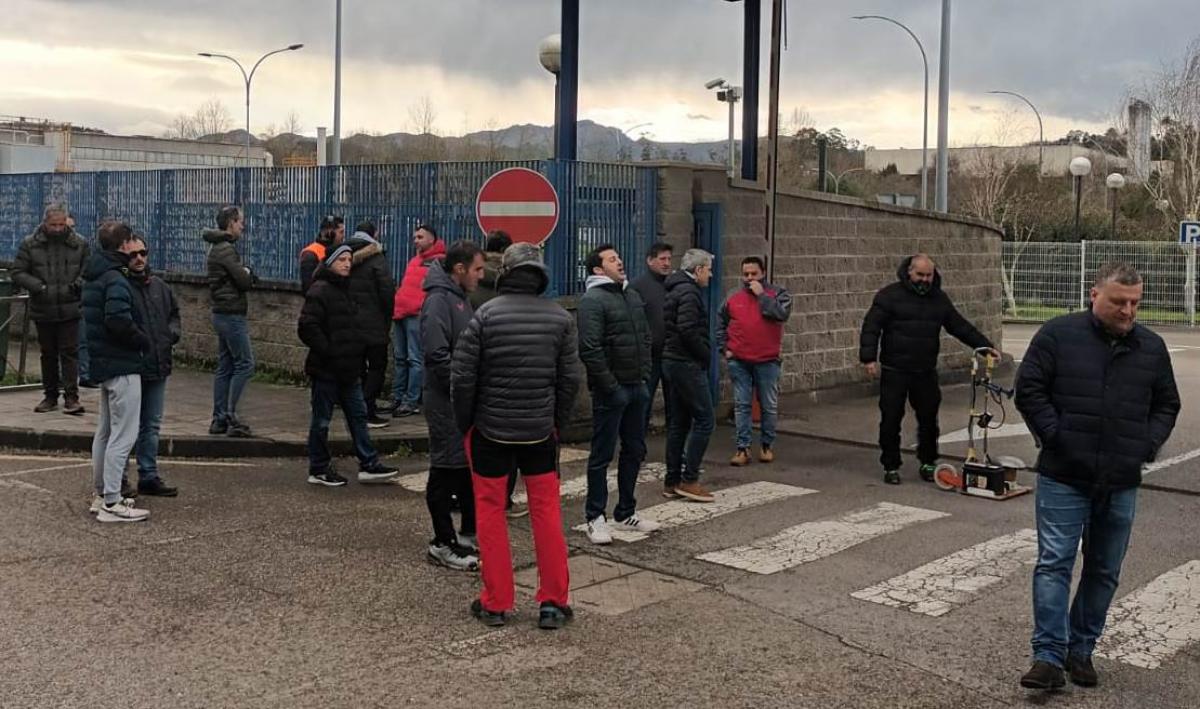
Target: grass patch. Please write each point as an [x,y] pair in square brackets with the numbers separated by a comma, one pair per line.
[263,373]
[1041,313]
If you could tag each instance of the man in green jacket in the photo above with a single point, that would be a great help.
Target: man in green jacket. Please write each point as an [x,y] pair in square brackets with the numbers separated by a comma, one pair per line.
[50,264]
[228,281]
[614,344]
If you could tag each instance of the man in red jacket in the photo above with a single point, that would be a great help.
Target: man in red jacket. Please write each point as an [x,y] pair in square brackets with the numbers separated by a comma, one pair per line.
[407,354]
[750,334]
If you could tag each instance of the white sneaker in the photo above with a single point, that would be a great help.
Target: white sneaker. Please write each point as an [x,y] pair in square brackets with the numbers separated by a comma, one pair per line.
[597,531]
[98,502]
[121,512]
[469,542]
[635,523]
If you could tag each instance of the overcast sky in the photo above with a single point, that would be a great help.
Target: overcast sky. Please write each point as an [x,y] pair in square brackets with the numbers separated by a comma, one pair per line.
[129,66]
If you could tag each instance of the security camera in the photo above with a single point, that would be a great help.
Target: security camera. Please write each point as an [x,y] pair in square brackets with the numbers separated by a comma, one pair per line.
[714,83]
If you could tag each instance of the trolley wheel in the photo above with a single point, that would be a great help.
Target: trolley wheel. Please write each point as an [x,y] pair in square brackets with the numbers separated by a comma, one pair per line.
[947,477]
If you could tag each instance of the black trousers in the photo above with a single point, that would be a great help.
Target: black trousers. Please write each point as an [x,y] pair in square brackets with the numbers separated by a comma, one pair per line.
[921,390]
[374,373]
[59,342]
[444,482]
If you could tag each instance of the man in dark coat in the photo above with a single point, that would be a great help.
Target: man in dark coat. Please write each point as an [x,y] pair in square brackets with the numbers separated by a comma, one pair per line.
[50,264]
[614,345]
[372,285]
[687,356]
[513,385]
[651,285]
[334,365]
[445,313]
[899,343]
[228,282]
[116,341]
[157,311]
[1098,393]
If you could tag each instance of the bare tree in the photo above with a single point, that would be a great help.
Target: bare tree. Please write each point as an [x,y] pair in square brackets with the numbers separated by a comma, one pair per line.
[211,118]
[292,123]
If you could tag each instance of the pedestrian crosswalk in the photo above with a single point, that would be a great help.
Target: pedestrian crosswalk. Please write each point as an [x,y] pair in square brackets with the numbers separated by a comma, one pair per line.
[1156,621]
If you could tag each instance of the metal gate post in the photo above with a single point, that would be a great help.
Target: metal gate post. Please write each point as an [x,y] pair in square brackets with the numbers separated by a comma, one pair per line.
[1189,297]
[1083,290]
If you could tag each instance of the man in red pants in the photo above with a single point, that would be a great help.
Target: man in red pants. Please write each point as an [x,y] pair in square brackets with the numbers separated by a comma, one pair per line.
[510,412]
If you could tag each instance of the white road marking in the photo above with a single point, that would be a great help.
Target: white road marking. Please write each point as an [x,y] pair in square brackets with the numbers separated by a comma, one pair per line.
[936,588]
[682,513]
[52,468]
[1168,462]
[1148,626]
[1004,431]
[416,481]
[816,540]
[577,486]
[22,485]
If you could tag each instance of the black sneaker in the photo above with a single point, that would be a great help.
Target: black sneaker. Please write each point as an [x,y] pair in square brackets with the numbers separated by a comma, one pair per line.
[1081,671]
[377,421]
[237,429]
[156,488]
[927,470]
[552,617]
[217,428]
[378,474]
[891,477]
[1043,675]
[127,490]
[488,618]
[327,478]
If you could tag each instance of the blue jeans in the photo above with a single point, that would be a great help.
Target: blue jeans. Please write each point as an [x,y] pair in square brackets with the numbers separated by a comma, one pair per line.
[408,361]
[620,414]
[691,422]
[154,395]
[83,351]
[1064,516]
[748,376]
[656,376]
[349,396]
[235,364]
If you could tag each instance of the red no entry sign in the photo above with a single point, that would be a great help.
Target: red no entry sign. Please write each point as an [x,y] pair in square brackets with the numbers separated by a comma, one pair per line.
[519,201]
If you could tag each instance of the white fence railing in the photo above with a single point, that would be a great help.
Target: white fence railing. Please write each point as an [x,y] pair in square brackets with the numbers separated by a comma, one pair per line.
[1045,279]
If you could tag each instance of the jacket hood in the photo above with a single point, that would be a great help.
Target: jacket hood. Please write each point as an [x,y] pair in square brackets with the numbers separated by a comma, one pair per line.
[364,250]
[532,278]
[596,281]
[102,261]
[902,276]
[68,235]
[216,236]
[438,279]
[679,278]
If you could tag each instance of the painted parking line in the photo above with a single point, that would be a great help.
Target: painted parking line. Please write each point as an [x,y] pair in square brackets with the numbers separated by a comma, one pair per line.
[816,540]
[683,513]
[416,481]
[1168,462]
[938,587]
[1150,625]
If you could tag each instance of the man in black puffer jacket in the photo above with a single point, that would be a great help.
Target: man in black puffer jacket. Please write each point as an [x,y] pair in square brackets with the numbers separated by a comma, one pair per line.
[373,287]
[614,344]
[334,364]
[902,332]
[687,356]
[1098,393]
[513,384]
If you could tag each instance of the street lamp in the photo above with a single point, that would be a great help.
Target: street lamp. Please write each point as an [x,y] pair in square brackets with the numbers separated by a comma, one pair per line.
[550,55]
[248,78]
[924,104]
[1041,135]
[730,95]
[619,133]
[837,179]
[942,188]
[1115,182]
[1080,168]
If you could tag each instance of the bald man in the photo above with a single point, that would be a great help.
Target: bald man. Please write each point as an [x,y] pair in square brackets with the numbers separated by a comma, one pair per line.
[899,344]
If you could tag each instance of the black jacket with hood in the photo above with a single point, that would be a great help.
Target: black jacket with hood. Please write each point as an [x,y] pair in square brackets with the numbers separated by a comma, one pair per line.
[327,326]
[686,319]
[373,288]
[445,313]
[158,313]
[51,268]
[116,338]
[228,279]
[903,327]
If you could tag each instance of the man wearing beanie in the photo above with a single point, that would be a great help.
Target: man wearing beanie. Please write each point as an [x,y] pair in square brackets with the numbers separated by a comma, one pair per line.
[334,364]
[511,411]
[331,234]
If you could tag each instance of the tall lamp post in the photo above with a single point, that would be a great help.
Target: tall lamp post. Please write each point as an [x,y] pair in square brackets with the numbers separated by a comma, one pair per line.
[1080,168]
[942,188]
[924,104]
[550,55]
[248,78]
[1115,182]
[1041,135]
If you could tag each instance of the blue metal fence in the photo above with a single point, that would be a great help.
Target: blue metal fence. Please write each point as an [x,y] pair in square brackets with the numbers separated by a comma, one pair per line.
[598,203]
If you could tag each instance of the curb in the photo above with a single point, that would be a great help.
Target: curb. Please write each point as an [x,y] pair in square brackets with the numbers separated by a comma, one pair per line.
[206,446]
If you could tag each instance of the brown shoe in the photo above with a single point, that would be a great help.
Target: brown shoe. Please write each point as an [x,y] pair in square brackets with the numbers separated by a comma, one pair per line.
[72,406]
[669,492]
[694,492]
[47,404]
[766,455]
[742,457]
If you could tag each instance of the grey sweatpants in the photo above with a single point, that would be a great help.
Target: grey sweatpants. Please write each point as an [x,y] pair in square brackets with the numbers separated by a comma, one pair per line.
[120,416]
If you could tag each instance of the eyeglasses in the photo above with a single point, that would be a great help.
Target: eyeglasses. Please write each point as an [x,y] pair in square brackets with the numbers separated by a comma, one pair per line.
[140,253]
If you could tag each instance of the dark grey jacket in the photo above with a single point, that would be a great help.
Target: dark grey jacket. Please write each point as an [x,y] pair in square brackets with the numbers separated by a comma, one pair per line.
[686,317]
[614,338]
[228,279]
[51,269]
[373,288]
[1099,406]
[157,311]
[444,315]
[653,289]
[516,367]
